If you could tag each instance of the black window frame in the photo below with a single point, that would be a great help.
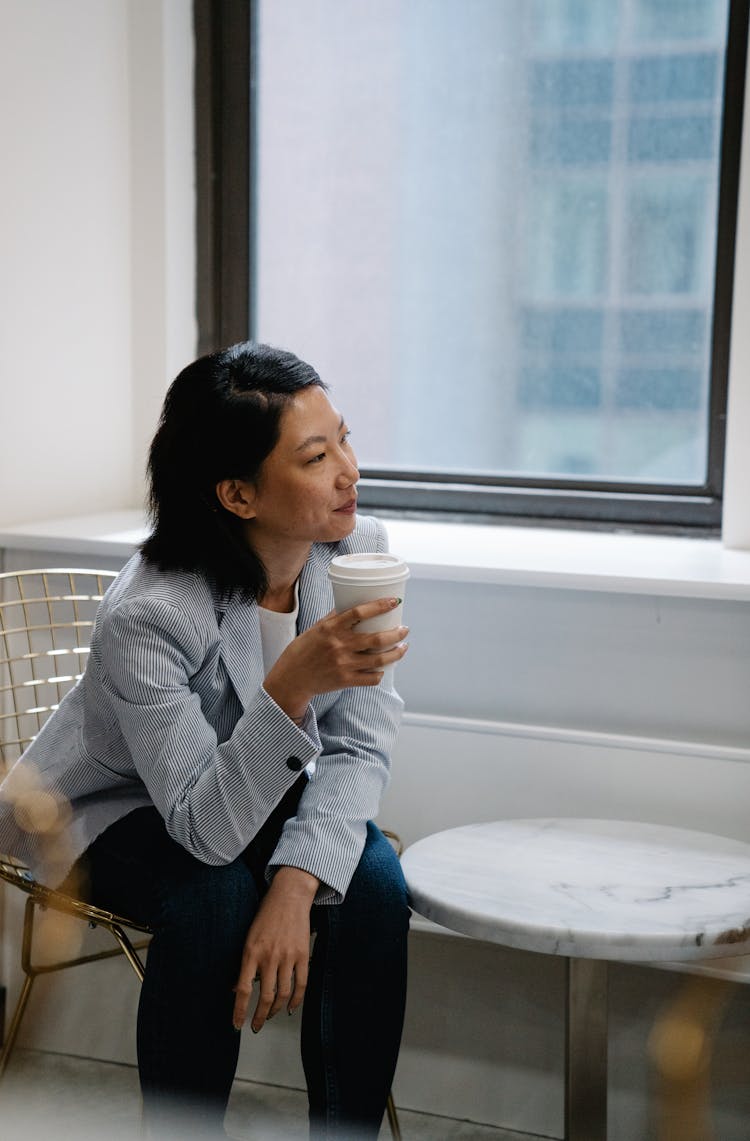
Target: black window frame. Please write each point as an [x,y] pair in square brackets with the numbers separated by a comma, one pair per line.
[226,41]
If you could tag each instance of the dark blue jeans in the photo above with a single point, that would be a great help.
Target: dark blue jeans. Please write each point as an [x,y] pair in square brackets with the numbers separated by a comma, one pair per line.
[187,1047]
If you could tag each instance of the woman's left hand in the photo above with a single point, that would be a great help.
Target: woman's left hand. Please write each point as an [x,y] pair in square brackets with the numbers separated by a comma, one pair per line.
[277,949]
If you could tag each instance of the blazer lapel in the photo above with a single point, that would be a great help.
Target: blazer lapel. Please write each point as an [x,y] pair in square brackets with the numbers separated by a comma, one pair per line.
[315,594]
[241,647]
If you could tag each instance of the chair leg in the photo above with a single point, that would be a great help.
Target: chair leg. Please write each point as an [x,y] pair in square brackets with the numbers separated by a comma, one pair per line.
[30,973]
[393,1118]
[128,950]
[15,1024]
[28,982]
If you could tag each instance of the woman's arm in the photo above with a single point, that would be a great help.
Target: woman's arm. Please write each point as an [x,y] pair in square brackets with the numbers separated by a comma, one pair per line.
[357,734]
[277,949]
[327,834]
[319,849]
[213,796]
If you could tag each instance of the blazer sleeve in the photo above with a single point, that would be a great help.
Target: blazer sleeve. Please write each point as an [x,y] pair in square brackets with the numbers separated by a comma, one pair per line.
[357,733]
[213,797]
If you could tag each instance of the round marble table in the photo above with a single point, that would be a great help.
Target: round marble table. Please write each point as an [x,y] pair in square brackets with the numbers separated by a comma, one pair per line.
[591,891]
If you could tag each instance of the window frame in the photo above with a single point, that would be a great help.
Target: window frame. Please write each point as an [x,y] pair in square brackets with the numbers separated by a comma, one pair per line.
[226,42]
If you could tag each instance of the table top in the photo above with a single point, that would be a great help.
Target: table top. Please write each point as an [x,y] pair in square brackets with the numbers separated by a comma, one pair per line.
[599,889]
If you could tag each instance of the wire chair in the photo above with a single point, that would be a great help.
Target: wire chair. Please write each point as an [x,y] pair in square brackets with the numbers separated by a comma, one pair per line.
[46,617]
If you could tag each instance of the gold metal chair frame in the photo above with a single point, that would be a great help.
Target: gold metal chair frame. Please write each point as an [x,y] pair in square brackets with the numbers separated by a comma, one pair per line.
[45,621]
[43,897]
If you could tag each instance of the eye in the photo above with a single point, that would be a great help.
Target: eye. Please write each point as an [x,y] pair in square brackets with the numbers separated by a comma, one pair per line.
[317,459]
[345,439]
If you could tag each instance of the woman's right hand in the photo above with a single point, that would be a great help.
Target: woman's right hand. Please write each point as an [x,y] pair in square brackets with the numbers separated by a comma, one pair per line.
[332,655]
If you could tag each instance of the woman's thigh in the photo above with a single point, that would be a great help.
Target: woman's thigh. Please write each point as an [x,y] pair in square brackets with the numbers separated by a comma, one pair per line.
[377,892]
[370,927]
[137,870]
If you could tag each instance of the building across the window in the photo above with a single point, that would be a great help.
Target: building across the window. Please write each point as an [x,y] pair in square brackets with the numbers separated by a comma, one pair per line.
[503,232]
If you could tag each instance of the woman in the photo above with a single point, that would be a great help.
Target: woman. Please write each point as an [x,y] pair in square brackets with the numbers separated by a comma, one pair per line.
[225,753]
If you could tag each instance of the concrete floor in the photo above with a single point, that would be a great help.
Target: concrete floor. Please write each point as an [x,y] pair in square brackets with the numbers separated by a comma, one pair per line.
[57,1096]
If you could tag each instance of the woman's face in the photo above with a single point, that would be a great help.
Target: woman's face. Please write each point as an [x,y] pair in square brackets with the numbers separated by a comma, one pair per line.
[306,488]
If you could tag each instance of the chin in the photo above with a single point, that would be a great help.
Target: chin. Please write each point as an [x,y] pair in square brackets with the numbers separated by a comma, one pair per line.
[344,526]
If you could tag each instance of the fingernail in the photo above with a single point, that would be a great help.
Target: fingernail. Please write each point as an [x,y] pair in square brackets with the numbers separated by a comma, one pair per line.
[396,601]
[254,1030]
[237,1028]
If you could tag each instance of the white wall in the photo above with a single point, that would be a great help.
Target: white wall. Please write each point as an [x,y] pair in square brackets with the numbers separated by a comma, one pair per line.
[96,232]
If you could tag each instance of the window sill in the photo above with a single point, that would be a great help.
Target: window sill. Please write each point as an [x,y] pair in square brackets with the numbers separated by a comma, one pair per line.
[618,562]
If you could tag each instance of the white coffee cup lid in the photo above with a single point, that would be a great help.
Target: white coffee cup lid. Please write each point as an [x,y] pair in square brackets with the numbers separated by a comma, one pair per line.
[372,567]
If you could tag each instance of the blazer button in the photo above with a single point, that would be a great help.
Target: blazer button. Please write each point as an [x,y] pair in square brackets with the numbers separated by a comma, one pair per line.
[295,764]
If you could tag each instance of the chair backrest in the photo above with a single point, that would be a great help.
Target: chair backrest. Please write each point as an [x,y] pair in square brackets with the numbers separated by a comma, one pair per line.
[46,618]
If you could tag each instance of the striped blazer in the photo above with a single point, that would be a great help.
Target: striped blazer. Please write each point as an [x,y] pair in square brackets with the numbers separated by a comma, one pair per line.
[171,711]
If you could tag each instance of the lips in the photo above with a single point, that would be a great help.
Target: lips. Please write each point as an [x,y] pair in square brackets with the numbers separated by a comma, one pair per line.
[347,508]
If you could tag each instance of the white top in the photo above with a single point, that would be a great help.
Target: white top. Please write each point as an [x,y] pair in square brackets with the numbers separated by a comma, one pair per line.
[277,630]
[600,889]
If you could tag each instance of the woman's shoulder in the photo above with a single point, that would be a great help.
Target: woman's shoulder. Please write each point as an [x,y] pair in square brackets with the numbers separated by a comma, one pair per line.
[143,585]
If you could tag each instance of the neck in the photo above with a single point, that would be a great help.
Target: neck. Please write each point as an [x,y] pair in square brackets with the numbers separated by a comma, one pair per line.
[283,565]
[282,601]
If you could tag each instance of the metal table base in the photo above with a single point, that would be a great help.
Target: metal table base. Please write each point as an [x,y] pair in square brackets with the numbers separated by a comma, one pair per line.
[586,1050]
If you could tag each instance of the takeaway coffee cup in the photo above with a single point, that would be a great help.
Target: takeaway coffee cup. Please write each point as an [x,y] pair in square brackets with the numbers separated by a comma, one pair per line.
[363,578]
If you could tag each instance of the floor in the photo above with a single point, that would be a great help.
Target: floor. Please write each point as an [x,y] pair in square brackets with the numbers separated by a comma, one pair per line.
[55,1095]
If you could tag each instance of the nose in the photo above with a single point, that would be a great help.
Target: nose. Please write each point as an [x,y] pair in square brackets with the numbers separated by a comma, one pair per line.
[349,472]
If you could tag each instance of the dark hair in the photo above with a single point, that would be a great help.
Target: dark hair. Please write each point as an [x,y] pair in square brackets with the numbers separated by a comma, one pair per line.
[220,420]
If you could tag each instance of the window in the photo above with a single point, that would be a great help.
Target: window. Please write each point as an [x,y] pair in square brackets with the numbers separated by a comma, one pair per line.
[502,231]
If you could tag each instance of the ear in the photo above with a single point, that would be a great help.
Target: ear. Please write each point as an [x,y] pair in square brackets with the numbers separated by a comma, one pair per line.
[237,496]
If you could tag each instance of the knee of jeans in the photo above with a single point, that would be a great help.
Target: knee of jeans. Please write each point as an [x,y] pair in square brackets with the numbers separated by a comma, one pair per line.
[378,883]
[214,899]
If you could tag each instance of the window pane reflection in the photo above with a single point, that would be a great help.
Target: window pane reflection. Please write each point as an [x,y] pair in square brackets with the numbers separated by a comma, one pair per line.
[491,225]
